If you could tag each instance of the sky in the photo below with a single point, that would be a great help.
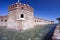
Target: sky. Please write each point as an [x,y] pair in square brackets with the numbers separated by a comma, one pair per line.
[45,9]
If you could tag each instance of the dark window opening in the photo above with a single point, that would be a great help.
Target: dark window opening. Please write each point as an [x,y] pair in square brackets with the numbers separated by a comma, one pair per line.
[22,8]
[35,20]
[1,20]
[22,16]
[5,20]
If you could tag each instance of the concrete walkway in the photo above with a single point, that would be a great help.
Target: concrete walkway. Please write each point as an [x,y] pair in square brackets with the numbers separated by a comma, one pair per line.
[56,35]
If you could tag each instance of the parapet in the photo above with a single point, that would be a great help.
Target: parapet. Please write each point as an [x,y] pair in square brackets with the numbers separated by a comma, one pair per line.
[43,20]
[20,6]
[3,17]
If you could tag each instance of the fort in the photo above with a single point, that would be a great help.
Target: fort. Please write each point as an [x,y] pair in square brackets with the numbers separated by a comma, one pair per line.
[21,17]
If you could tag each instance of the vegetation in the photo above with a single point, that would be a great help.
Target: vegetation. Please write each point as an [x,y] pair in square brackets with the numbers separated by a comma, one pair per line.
[36,33]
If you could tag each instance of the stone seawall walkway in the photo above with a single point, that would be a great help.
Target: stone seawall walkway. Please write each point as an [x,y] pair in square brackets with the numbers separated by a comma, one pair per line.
[56,35]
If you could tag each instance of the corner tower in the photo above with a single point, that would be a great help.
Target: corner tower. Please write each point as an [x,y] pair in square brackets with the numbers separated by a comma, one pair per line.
[20,16]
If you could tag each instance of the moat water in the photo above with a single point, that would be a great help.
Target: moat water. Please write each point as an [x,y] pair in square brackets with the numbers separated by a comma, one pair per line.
[50,33]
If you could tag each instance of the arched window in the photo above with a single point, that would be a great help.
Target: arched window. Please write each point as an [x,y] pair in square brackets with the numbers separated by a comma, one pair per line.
[35,20]
[22,7]
[22,15]
[5,20]
[2,20]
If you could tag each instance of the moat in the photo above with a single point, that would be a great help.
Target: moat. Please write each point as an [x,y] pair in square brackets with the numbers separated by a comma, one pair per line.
[40,32]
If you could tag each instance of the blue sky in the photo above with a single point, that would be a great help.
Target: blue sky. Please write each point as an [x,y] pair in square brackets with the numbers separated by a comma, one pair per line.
[46,9]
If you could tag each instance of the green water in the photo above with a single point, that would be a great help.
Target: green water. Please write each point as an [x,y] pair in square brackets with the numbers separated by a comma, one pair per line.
[36,33]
